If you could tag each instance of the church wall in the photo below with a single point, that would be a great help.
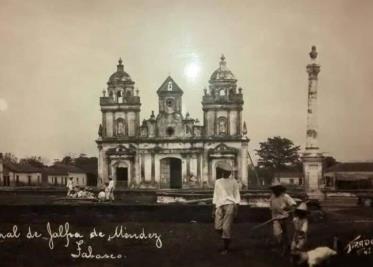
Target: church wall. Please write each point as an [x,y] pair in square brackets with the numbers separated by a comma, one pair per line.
[233,120]
[119,115]
[131,118]
[147,167]
[222,113]
[210,122]
[109,124]
[193,165]
[173,131]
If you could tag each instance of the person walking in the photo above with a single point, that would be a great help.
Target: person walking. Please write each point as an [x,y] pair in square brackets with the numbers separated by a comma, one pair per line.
[225,206]
[281,204]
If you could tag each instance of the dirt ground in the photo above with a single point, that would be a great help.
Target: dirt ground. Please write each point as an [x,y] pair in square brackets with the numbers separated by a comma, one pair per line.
[186,241]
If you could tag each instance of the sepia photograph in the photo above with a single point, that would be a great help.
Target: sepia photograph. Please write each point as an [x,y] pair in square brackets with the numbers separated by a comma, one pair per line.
[181,133]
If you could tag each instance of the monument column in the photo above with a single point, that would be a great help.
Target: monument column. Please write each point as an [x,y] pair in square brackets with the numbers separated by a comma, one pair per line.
[312,158]
[244,163]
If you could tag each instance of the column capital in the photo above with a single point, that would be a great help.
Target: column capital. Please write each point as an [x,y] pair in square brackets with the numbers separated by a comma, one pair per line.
[313,71]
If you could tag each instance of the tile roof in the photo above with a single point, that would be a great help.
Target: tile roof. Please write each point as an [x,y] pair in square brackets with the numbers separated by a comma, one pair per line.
[54,170]
[68,168]
[165,86]
[21,168]
[352,167]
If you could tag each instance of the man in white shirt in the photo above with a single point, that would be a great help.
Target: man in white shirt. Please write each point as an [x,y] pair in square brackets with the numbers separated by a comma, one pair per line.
[226,200]
[281,205]
[111,189]
[70,186]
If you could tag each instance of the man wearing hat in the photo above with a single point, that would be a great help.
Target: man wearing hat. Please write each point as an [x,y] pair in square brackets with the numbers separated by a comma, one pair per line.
[226,200]
[281,204]
[300,223]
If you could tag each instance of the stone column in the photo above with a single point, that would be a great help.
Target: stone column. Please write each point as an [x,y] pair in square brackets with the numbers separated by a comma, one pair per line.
[313,70]
[229,122]
[1,170]
[99,166]
[312,158]
[199,167]
[188,166]
[205,167]
[153,168]
[137,168]
[244,163]
[114,124]
[142,172]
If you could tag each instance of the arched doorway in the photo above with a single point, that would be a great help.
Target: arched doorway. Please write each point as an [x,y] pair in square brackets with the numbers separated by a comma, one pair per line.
[171,173]
[120,171]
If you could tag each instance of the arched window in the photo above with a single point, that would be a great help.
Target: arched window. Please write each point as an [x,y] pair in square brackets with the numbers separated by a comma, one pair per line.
[119,96]
[222,125]
[169,86]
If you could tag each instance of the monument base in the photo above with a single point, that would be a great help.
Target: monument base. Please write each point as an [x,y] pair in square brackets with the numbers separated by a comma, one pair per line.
[313,174]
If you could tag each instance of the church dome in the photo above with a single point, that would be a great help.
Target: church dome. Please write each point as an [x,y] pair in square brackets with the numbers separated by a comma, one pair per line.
[222,73]
[120,75]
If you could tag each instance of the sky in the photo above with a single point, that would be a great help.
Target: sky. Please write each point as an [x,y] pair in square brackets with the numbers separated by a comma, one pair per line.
[56,57]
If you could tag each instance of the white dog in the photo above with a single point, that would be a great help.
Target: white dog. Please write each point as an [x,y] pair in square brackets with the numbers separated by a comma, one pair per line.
[316,256]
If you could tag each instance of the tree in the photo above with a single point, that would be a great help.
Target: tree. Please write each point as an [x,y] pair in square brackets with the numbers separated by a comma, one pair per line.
[10,157]
[67,160]
[35,161]
[329,161]
[278,153]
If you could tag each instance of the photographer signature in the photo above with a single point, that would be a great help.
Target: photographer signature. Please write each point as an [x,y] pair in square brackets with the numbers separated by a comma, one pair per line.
[360,246]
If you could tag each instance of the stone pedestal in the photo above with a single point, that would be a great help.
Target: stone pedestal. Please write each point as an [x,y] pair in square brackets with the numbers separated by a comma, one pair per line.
[313,174]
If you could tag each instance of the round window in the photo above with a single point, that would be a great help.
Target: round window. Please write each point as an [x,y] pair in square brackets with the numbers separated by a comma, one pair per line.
[169,102]
[170,131]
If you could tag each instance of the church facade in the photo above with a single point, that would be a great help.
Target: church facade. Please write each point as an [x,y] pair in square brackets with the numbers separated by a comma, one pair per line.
[171,150]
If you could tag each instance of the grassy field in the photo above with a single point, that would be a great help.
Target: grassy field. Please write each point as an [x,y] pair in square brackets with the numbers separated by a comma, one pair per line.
[186,233]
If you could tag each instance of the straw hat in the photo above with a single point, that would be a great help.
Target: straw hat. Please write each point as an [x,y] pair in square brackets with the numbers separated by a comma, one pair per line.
[276,183]
[224,165]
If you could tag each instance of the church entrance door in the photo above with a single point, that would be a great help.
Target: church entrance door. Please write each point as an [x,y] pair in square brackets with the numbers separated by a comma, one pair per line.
[175,173]
[171,173]
[122,177]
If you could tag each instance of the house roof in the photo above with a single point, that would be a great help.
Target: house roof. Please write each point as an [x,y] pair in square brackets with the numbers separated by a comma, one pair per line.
[352,167]
[21,168]
[55,170]
[68,168]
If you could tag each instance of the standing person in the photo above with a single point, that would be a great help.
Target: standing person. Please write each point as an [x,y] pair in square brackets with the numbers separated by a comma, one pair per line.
[111,189]
[107,191]
[281,204]
[300,223]
[226,200]
[70,186]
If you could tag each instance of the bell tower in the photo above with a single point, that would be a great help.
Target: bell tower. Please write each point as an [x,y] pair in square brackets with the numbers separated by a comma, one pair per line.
[169,120]
[120,108]
[169,97]
[222,104]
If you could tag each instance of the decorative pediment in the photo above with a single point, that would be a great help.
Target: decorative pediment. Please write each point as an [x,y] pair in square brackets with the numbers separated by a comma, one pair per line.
[223,148]
[122,150]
